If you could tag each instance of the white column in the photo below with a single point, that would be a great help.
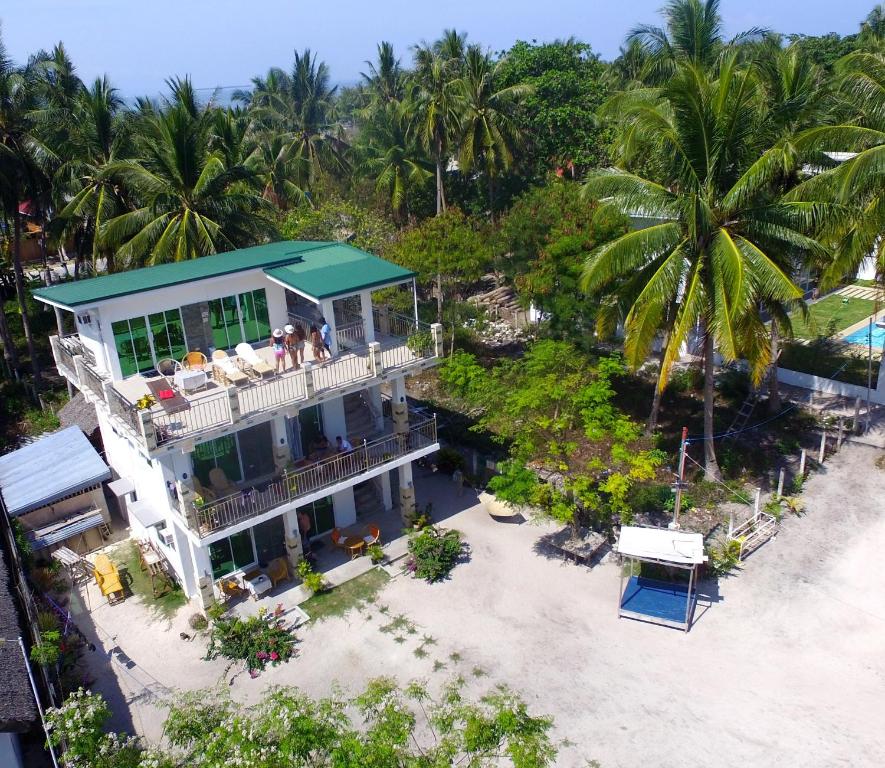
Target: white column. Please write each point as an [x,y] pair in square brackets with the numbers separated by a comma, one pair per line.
[386,495]
[345,507]
[398,389]
[334,421]
[406,494]
[327,310]
[185,568]
[294,552]
[203,574]
[374,395]
[281,450]
[366,312]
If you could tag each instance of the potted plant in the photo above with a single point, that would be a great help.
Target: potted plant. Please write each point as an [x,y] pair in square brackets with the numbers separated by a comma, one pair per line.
[375,553]
[310,578]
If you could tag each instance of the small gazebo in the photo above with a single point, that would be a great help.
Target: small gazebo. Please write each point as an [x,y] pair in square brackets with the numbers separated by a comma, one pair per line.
[670,603]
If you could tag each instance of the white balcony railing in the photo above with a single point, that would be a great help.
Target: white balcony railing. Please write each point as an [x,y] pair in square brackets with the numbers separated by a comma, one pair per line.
[207,518]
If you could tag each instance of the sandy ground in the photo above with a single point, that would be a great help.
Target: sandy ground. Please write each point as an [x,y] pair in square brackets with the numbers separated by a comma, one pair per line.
[784,665]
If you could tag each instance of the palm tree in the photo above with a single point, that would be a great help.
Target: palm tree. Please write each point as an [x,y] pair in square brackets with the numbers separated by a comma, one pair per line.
[489,130]
[88,194]
[692,32]
[20,177]
[271,158]
[859,182]
[715,251]
[302,104]
[385,81]
[436,107]
[391,155]
[190,203]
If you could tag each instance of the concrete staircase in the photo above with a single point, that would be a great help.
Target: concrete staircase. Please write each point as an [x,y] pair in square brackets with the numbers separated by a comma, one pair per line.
[359,419]
[367,501]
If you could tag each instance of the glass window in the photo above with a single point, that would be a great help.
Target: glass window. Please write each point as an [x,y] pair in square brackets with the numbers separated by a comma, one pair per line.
[168,332]
[322,515]
[231,554]
[270,540]
[310,427]
[256,321]
[220,452]
[133,346]
[225,321]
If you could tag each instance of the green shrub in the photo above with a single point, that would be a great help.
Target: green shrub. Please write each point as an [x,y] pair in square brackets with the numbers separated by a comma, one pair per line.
[420,342]
[434,552]
[312,580]
[724,556]
[448,460]
[689,379]
[48,650]
[734,385]
[516,485]
[198,622]
[651,499]
[375,553]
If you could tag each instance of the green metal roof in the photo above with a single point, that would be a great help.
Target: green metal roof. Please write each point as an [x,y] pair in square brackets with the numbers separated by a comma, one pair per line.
[77,293]
[337,270]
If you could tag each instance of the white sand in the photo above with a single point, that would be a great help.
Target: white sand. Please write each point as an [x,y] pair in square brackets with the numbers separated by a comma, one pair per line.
[783,666]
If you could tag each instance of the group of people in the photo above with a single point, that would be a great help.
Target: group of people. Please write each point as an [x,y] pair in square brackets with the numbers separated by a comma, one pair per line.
[292,339]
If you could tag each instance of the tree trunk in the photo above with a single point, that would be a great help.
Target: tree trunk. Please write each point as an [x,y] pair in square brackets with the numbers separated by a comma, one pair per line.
[10,355]
[492,198]
[439,298]
[774,392]
[711,466]
[440,188]
[652,423]
[21,293]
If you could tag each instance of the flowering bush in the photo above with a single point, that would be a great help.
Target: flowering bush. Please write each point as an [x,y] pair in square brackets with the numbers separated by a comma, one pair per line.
[79,723]
[258,641]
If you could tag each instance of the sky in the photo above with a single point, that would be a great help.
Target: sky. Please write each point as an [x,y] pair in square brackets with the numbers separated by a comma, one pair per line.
[140,43]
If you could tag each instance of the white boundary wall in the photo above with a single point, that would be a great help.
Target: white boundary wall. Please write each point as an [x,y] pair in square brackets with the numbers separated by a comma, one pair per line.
[831,386]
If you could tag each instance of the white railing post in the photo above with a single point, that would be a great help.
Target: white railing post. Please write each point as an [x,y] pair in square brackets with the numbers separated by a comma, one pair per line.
[147,429]
[309,387]
[78,369]
[436,332]
[233,401]
[376,364]
[823,448]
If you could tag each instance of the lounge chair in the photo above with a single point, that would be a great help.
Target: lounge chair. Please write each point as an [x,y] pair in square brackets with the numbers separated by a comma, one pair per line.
[221,485]
[194,361]
[108,579]
[202,491]
[226,369]
[161,388]
[252,361]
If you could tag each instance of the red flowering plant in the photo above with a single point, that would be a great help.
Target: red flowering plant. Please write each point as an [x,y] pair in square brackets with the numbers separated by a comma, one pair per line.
[258,641]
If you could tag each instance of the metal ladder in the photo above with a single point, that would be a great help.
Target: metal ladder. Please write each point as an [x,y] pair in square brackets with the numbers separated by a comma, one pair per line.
[743,415]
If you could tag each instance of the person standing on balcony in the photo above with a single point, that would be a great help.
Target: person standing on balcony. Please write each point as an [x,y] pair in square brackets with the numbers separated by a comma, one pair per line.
[278,345]
[326,333]
[291,341]
[300,339]
[316,341]
[343,444]
[304,524]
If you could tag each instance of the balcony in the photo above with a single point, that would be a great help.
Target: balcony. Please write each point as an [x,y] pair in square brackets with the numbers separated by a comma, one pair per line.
[310,480]
[398,347]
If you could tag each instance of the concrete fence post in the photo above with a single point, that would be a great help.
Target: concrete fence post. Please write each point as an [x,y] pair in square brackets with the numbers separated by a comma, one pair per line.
[147,429]
[802,457]
[757,505]
[840,427]
[780,484]
[823,448]
[309,387]
[857,416]
[233,402]
[436,331]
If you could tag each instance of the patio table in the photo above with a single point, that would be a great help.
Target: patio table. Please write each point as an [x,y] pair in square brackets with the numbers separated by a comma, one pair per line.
[256,584]
[190,380]
[354,545]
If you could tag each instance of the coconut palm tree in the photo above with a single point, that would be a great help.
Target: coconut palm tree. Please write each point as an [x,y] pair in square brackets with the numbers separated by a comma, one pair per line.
[21,176]
[489,130]
[302,105]
[87,193]
[385,81]
[859,182]
[716,247]
[436,105]
[189,202]
[391,155]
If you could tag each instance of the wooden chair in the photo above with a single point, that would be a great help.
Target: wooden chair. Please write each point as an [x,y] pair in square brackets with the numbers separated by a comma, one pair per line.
[221,485]
[277,570]
[337,539]
[206,494]
[194,361]
[373,536]
[230,589]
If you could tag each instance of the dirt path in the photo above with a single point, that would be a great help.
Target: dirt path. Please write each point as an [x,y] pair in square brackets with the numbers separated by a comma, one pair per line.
[785,665]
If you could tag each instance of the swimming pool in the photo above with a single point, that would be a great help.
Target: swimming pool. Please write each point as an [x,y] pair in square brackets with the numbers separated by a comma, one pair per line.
[862,336]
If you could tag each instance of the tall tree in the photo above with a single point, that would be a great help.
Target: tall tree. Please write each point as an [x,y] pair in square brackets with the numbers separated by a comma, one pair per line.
[490,132]
[190,203]
[711,247]
[385,80]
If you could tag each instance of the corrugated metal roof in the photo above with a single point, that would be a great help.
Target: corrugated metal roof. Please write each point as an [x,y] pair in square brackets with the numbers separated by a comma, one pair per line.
[48,469]
[77,293]
[64,529]
[337,270]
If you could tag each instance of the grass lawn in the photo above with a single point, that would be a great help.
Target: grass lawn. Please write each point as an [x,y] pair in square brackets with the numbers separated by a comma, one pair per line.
[834,311]
[341,599]
[126,556]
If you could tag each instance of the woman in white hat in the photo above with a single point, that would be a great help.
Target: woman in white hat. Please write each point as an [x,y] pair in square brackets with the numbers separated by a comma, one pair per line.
[292,345]
[278,345]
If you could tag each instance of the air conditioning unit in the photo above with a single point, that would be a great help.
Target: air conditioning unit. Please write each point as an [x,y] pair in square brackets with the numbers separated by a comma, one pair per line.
[165,536]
